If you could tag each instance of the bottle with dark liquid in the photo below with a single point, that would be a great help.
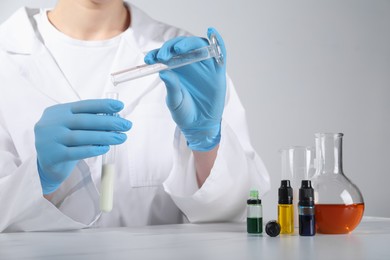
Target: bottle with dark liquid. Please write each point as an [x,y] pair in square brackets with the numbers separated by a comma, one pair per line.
[339,204]
[307,220]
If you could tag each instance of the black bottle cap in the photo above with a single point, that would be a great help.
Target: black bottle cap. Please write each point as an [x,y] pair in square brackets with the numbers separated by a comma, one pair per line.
[306,194]
[272,228]
[285,192]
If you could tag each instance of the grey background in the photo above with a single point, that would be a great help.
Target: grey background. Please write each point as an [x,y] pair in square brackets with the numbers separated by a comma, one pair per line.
[301,67]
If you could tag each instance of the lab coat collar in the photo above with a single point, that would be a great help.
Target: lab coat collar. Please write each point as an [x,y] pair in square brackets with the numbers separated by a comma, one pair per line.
[18,34]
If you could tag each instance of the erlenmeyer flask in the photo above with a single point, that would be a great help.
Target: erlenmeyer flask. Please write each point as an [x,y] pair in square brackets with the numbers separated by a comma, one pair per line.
[339,204]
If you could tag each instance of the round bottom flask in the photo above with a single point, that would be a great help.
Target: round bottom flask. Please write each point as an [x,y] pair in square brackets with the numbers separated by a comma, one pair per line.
[339,204]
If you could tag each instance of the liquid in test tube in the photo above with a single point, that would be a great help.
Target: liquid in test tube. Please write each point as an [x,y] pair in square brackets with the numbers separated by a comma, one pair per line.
[108,172]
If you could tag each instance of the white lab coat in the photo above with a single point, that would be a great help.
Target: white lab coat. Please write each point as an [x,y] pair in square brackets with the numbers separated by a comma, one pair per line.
[155,178]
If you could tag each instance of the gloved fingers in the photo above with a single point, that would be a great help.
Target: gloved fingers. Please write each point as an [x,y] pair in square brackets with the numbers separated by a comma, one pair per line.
[97,106]
[83,152]
[150,57]
[80,138]
[154,55]
[174,92]
[173,47]
[179,46]
[188,44]
[192,43]
[97,122]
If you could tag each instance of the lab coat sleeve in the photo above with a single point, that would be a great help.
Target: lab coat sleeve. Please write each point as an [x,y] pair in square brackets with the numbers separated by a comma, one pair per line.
[236,170]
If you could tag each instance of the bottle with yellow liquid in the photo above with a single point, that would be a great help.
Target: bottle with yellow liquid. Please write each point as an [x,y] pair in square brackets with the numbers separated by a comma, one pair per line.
[286,208]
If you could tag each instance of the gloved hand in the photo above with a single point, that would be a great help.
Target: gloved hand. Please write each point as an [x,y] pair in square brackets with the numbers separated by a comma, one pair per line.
[195,92]
[67,133]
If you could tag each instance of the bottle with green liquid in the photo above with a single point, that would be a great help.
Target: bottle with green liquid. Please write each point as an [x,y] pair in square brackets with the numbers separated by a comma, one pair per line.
[254,213]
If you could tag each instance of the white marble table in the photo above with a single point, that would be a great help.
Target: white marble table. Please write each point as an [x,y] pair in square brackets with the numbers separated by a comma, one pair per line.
[371,240]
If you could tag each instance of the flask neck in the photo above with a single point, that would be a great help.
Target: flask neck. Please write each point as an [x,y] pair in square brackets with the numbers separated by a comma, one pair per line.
[329,153]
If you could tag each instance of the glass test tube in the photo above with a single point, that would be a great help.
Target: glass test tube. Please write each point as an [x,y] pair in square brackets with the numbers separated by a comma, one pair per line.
[211,51]
[108,173]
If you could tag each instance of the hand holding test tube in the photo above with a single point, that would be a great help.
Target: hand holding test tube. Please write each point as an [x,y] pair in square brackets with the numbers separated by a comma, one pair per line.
[196,92]
[204,53]
[108,172]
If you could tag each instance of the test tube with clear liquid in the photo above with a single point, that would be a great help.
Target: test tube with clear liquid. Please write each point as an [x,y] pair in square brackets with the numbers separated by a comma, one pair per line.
[213,50]
[108,172]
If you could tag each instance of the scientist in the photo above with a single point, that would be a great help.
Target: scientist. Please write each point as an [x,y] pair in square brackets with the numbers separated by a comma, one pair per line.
[183,149]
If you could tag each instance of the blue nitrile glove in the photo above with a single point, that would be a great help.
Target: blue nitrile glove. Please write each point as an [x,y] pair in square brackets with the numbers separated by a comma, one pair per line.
[67,133]
[195,92]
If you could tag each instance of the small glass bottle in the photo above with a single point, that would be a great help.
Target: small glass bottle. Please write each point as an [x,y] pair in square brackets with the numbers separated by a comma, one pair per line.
[339,205]
[286,208]
[254,221]
[306,210]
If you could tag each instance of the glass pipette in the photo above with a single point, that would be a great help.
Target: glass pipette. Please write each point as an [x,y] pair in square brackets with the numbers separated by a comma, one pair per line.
[211,51]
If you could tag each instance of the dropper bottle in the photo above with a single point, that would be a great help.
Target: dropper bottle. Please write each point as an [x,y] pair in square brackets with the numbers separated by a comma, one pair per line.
[306,211]
[286,208]
[254,213]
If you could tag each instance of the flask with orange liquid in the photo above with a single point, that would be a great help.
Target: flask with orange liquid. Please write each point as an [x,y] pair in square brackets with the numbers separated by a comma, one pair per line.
[339,204]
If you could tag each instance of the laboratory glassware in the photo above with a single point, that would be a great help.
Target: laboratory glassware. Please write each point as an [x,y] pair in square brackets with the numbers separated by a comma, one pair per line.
[213,50]
[108,172]
[339,204]
[254,218]
[297,164]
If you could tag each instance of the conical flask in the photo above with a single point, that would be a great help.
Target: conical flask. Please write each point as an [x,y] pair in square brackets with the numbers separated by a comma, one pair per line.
[339,204]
